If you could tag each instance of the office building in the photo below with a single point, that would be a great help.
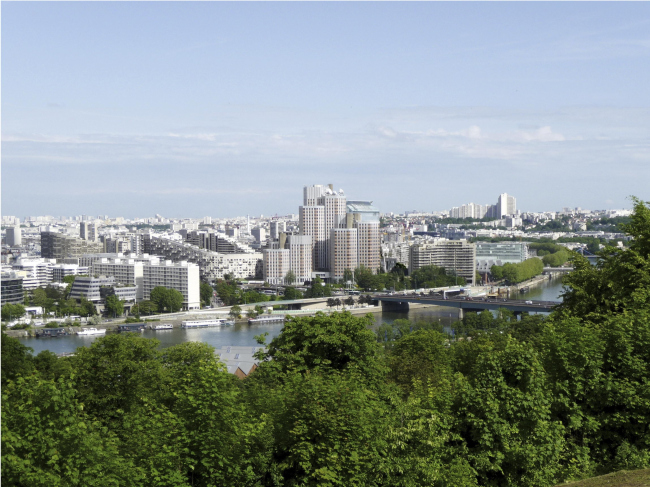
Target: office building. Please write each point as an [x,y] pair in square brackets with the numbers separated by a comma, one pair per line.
[60,246]
[11,288]
[489,254]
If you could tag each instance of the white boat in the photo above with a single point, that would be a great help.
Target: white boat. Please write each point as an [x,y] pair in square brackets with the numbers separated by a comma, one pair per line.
[266,319]
[205,323]
[163,326]
[91,331]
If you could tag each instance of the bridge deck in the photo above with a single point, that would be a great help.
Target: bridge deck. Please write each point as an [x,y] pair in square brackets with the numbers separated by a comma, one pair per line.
[517,305]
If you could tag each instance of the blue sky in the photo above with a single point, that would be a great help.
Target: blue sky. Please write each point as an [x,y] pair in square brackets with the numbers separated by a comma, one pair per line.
[224,109]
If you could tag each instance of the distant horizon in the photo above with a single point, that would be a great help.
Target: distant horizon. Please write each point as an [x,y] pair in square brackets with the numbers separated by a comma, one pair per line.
[185,108]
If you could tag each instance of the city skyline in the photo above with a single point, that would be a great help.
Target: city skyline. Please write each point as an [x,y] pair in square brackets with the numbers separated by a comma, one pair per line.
[223,109]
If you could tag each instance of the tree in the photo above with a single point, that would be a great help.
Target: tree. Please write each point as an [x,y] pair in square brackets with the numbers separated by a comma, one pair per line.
[317,289]
[114,305]
[348,276]
[86,308]
[12,312]
[17,359]
[338,341]
[349,301]
[290,278]
[235,312]
[206,294]
[166,299]
[144,308]
[292,293]
[331,302]
[71,448]
[620,280]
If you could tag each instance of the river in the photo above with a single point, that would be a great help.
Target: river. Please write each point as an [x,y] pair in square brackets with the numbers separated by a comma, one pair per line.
[244,334]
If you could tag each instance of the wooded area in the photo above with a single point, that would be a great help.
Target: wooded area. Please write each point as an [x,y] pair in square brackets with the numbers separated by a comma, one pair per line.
[529,402]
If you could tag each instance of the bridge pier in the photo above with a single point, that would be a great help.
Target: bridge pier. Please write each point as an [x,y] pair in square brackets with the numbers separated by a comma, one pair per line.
[461,315]
[394,306]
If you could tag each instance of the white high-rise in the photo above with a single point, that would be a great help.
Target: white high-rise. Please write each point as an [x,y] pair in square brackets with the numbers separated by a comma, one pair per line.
[311,194]
[276,265]
[312,222]
[343,251]
[300,257]
[506,205]
[14,236]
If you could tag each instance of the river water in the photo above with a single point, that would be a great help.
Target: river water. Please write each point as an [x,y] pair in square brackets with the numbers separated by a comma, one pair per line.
[244,334]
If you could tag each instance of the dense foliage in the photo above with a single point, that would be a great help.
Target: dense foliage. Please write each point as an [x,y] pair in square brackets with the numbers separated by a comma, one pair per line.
[530,402]
[515,273]
[167,300]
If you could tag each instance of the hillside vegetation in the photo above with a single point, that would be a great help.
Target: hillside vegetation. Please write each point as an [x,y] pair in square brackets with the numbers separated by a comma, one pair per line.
[636,478]
[525,403]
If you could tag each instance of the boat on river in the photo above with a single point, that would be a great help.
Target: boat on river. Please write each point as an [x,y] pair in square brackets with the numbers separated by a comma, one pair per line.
[206,323]
[162,326]
[266,319]
[91,331]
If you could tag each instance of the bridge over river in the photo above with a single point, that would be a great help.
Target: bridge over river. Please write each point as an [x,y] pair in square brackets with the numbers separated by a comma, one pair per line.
[465,303]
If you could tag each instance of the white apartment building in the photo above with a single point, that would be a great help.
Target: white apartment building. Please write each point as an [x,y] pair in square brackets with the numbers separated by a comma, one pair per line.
[506,205]
[212,265]
[335,211]
[14,236]
[454,255]
[125,271]
[300,249]
[91,288]
[343,251]
[276,265]
[182,276]
[311,194]
[368,245]
[312,222]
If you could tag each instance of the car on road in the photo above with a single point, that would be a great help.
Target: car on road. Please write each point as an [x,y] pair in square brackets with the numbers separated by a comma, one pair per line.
[528,302]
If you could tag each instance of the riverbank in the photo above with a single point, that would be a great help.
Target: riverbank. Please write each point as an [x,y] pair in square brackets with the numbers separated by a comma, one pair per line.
[530,283]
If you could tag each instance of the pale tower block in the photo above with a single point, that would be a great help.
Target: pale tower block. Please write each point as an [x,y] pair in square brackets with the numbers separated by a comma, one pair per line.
[368,245]
[312,222]
[275,265]
[312,193]
[300,248]
[343,251]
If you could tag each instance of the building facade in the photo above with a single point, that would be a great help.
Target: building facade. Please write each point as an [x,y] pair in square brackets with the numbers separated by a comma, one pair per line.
[457,256]
[343,251]
[182,276]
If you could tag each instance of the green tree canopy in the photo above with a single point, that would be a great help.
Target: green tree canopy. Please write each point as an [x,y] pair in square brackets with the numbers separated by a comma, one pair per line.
[167,300]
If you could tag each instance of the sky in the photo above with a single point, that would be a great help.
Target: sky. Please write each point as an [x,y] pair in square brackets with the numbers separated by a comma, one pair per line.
[221,109]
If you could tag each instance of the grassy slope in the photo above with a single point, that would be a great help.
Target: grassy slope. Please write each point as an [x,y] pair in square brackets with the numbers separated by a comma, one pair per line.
[624,478]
